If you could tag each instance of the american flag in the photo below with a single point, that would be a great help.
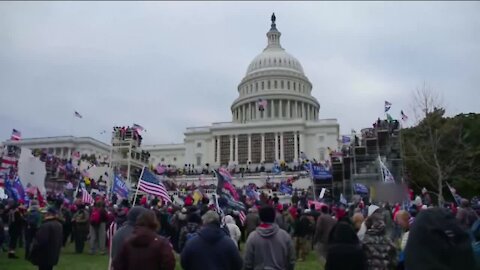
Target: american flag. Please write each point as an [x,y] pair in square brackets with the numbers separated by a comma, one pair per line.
[86,197]
[388,105]
[262,104]
[242,217]
[16,135]
[150,184]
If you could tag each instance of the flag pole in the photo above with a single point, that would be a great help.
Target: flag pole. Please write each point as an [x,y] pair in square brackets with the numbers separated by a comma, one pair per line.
[136,192]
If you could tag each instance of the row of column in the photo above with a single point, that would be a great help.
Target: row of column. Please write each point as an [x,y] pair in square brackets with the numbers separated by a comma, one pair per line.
[294,109]
[279,151]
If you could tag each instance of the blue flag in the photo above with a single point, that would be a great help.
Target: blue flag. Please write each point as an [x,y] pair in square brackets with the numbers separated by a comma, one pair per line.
[276,168]
[10,191]
[360,188]
[345,139]
[19,187]
[319,172]
[120,187]
[284,188]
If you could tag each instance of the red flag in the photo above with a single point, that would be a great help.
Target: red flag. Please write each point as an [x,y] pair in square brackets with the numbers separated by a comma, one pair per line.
[41,200]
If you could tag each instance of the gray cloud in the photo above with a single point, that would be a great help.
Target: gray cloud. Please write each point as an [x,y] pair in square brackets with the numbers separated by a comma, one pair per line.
[171,65]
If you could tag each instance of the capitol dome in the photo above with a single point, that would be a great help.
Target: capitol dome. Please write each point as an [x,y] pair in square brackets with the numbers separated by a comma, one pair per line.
[274,87]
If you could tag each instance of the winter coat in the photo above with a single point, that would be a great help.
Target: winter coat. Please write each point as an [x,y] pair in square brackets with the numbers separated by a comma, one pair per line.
[211,249]
[380,251]
[303,226]
[233,229]
[324,225]
[47,243]
[186,232]
[145,250]
[251,222]
[126,230]
[269,247]
[81,221]
[344,249]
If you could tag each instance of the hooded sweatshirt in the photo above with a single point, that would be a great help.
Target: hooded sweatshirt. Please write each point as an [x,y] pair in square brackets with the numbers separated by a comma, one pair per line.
[211,249]
[145,250]
[269,247]
[126,230]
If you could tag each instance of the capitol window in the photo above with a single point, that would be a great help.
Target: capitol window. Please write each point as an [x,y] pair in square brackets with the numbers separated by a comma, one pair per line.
[199,144]
[294,86]
[282,85]
[269,85]
[256,86]
[263,85]
[174,158]
[162,159]
[275,85]
[288,85]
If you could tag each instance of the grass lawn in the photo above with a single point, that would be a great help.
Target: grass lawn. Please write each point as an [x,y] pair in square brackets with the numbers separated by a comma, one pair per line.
[71,261]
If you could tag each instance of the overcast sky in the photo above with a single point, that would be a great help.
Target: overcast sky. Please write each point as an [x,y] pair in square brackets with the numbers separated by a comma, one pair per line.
[172,65]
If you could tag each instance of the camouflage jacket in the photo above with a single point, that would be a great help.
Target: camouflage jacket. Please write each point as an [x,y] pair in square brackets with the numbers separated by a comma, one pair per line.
[379,250]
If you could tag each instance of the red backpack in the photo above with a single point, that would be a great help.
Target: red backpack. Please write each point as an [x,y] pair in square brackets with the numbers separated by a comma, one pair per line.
[95,217]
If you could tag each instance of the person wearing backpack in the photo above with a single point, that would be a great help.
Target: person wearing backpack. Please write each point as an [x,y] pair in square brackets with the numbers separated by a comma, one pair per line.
[33,220]
[190,230]
[80,223]
[98,221]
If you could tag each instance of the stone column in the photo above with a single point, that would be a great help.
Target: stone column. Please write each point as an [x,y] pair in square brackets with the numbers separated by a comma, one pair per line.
[244,108]
[302,142]
[280,109]
[218,149]
[276,146]
[249,147]
[289,115]
[272,115]
[295,111]
[282,156]
[295,146]
[304,113]
[262,156]
[69,153]
[62,152]
[231,148]
[236,148]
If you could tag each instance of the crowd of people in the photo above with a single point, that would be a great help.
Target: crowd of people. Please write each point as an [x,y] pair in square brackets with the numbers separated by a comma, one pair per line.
[272,235]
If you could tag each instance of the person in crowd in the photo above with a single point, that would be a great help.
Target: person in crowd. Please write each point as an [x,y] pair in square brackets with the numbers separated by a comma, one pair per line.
[252,220]
[402,218]
[279,218]
[66,218]
[15,224]
[357,220]
[363,228]
[45,250]
[233,229]
[437,241]
[126,230]
[33,221]
[98,223]
[324,225]
[80,223]
[193,225]
[344,249]
[379,249]
[466,215]
[314,213]
[212,248]
[145,249]
[303,228]
[269,247]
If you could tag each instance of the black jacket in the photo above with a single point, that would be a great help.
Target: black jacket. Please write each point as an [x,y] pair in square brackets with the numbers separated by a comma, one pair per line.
[47,243]
[211,249]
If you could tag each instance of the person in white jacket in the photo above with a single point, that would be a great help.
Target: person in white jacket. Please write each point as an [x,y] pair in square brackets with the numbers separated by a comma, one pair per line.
[233,229]
[363,229]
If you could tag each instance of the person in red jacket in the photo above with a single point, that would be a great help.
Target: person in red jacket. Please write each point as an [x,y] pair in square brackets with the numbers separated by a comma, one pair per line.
[145,249]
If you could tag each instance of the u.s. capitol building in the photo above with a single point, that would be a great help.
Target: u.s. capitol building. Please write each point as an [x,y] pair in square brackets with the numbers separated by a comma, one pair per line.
[288,125]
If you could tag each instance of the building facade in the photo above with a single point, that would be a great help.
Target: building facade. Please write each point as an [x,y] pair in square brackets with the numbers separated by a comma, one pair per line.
[287,124]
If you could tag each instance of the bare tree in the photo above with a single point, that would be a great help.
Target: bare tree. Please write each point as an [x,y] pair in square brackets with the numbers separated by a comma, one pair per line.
[426,146]
[425,100]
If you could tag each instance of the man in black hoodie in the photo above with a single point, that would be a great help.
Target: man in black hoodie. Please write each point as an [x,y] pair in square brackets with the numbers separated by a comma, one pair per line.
[211,248]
